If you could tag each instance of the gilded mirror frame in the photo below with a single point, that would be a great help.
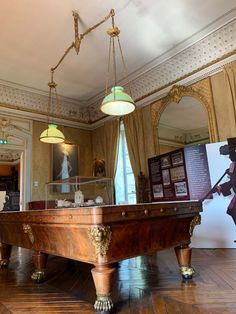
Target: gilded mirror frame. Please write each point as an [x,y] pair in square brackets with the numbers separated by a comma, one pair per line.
[175,95]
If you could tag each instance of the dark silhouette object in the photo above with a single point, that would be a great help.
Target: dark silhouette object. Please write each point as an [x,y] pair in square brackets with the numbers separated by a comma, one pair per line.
[142,193]
[99,168]
[14,177]
[12,201]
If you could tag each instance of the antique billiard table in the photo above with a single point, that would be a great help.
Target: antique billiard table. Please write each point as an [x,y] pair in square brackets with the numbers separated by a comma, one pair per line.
[102,236]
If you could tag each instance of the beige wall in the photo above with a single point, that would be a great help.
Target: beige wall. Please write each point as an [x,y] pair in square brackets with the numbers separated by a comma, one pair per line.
[42,153]
[97,139]
[166,149]
[149,140]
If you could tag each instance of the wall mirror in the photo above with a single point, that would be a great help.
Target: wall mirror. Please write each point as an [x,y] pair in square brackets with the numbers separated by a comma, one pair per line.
[182,124]
[184,117]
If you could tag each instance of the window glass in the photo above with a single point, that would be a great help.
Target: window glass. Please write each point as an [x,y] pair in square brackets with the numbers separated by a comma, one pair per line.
[125,190]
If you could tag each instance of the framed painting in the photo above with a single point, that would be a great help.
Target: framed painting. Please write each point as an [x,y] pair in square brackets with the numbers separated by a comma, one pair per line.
[65,164]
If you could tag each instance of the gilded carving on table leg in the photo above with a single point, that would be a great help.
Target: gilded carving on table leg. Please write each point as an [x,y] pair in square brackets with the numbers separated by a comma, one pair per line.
[101,238]
[103,276]
[103,303]
[187,272]
[4,262]
[183,254]
[38,276]
[28,230]
[39,260]
[196,221]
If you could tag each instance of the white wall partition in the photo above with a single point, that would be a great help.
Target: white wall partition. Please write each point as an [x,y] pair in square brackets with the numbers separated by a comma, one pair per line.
[217,229]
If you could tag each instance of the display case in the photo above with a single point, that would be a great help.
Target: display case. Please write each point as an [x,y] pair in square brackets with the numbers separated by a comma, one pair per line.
[79,191]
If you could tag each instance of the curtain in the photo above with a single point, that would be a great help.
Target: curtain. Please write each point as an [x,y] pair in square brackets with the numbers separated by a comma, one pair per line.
[223,90]
[110,146]
[230,80]
[134,132]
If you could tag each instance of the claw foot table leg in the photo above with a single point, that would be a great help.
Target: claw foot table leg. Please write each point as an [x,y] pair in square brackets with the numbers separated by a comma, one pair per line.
[103,279]
[183,254]
[39,261]
[5,253]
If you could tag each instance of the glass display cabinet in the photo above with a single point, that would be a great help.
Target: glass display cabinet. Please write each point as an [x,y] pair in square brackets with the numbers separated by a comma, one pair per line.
[79,191]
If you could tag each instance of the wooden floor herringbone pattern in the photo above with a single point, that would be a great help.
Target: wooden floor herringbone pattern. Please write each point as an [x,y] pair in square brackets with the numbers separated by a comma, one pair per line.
[144,285]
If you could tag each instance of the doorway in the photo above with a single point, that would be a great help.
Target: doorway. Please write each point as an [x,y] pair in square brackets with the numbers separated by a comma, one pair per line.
[15,156]
[10,183]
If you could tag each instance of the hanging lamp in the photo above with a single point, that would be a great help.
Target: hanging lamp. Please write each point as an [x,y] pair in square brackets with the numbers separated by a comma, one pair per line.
[118,102]
[52,135]
[3,136]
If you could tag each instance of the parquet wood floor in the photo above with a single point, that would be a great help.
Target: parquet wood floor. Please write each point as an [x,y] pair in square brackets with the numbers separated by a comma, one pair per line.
[144,285]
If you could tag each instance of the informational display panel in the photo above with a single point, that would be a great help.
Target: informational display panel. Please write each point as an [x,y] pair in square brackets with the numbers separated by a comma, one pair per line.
[180,175]
[197,169]
[190,173]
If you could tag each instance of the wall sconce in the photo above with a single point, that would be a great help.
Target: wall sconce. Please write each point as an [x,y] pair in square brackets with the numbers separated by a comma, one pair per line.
[116,103]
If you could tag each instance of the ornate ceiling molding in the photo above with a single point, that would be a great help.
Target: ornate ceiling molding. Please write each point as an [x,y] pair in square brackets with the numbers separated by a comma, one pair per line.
[15,98]
[205,52]
[212,49]
[8,155]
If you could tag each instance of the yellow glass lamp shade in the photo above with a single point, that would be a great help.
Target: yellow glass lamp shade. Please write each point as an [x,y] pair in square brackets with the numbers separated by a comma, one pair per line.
[52,135]
[117,103]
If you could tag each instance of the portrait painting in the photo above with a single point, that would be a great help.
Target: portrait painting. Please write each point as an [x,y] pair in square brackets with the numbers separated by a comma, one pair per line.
[65,164]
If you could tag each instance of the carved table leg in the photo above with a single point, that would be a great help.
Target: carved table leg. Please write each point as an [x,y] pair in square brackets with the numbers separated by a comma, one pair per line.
[5,253]
[39,261]
[183,254]
[103,279]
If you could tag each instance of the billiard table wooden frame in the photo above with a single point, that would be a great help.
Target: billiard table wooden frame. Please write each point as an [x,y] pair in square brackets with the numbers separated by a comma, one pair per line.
[102,236]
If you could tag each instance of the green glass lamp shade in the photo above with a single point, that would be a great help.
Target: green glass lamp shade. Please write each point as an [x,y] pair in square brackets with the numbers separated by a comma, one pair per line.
[117,103]
[52,135]
[3,141]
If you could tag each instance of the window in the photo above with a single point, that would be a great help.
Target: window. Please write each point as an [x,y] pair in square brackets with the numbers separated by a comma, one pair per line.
[125,190]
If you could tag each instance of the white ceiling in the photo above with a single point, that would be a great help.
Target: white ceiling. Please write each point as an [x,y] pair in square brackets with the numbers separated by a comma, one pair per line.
[34,34]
